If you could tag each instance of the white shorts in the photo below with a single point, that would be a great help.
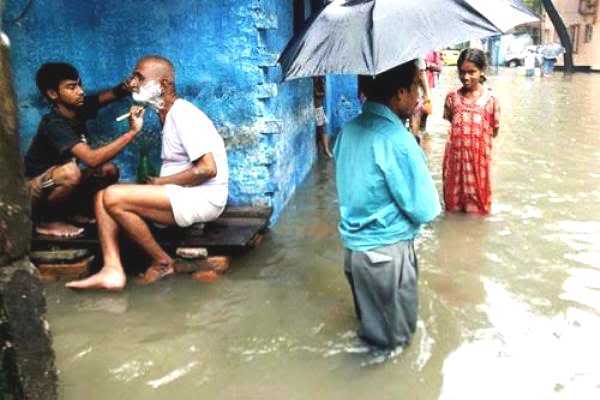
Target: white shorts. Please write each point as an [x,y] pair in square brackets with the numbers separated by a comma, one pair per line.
[190,206]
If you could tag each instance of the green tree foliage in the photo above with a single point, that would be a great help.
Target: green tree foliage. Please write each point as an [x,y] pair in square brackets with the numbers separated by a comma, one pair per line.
[534,5]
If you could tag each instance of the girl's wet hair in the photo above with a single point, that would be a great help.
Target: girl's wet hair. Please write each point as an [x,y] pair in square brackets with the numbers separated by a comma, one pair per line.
[477,57]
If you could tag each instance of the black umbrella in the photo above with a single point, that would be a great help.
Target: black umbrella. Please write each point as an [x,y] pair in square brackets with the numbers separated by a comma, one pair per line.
[371,36]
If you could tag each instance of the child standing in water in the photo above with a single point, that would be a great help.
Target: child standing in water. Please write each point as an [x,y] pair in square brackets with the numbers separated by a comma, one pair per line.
[474,113]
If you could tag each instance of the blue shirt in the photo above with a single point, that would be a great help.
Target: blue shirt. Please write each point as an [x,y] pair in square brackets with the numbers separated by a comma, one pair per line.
[385,190]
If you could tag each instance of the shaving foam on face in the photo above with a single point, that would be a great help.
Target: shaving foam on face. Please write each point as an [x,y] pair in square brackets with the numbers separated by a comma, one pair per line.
[150,94]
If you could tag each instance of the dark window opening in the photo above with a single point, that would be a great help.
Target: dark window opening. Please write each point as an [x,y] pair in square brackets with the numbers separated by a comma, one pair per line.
[574,31]
[589,33]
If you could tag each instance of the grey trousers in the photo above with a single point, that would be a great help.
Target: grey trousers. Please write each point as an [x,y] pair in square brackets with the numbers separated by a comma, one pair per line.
[384,287]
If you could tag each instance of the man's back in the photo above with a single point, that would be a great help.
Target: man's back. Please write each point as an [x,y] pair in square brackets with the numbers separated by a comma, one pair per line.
[384,187]
[46,149]
[188,134]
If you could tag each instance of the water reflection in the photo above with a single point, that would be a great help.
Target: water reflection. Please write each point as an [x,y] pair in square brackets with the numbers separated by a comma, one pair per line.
[525,355]
[509,304]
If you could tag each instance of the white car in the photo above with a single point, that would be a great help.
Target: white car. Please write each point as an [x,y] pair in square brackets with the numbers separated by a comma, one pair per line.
[518,59]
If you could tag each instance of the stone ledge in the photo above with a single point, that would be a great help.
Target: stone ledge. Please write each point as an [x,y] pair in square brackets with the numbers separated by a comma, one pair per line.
[267,59]
[218,264]
[266,90]
[270,126]
[265,21]
[65,271]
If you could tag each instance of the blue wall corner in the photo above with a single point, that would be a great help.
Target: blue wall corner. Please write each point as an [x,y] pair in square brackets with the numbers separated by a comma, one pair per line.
[225,57]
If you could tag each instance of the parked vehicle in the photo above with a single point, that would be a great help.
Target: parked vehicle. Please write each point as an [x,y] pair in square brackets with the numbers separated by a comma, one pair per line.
[450,56]
[518,59]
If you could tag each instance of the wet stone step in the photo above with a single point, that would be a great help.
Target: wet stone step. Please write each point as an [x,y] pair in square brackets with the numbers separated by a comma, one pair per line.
[191,253]
[213,267]
[52,272]
[58,256]
[216,264]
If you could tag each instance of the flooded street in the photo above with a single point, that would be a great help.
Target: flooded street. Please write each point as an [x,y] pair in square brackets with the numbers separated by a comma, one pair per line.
[509,304]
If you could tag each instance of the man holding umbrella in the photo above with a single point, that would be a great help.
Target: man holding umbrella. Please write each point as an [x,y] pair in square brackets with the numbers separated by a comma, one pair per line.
[385,190]
[385,194]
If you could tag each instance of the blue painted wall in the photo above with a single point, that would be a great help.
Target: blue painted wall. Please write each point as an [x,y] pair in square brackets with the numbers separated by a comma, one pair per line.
[224,54]
[341,101]
[294,154]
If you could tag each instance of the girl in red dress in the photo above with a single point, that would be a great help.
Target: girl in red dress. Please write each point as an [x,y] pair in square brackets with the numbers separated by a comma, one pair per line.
[474,113]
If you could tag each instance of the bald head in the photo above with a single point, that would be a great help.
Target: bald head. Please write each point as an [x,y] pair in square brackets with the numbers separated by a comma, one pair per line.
[157,67]
[154,68]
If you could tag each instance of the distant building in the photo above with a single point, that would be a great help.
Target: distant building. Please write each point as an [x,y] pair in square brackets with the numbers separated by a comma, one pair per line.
[581,18]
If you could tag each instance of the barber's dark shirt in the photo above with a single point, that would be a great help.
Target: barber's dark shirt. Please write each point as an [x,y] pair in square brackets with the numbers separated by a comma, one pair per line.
[56,136]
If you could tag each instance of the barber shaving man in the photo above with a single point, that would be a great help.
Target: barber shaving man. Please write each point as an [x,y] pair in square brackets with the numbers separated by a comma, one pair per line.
[192,187]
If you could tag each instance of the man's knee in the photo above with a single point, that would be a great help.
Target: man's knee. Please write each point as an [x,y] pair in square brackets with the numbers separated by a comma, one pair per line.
[99,198]
[113,198]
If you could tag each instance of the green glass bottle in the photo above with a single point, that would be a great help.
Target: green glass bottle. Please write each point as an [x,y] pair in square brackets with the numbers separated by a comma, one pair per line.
[145,169]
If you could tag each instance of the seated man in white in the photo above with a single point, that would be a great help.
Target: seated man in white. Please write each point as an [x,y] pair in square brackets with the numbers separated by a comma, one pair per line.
[192,187]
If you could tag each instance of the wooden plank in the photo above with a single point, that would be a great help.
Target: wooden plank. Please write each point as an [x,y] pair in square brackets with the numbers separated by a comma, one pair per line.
[247,212]
[230,233]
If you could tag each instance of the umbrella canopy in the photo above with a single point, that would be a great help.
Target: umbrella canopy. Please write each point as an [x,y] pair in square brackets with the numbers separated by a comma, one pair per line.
[371,36]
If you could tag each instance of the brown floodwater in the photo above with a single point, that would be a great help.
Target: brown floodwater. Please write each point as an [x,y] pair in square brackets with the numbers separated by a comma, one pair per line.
[509,304]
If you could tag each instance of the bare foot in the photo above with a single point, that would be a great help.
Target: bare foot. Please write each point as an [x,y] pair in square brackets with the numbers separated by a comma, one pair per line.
[109,279]
[324,144]
[156,272]
[58,229]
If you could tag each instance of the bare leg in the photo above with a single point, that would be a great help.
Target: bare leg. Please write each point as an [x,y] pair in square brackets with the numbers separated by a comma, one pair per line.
[92,182]
[426,144]
[111,276]
[323,141]
[129,205]
[66,178]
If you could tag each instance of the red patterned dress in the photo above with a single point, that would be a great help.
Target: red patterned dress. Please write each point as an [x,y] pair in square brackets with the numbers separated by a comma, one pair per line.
[466,169]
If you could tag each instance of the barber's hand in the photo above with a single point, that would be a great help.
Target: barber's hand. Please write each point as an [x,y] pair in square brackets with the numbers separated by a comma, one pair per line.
[136,119]
[123,89]
[127,84]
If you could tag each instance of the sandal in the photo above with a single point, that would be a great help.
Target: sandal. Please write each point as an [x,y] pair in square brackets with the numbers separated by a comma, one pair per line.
[156,272]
